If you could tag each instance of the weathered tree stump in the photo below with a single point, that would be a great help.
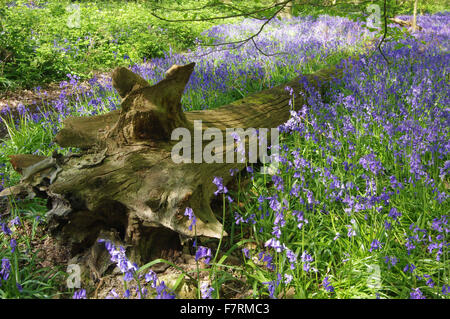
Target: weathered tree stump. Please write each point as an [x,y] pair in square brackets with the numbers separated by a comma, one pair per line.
[124,181]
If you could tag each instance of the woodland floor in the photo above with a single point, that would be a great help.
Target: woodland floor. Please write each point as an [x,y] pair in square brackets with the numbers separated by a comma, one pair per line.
[32,98]
[53,255]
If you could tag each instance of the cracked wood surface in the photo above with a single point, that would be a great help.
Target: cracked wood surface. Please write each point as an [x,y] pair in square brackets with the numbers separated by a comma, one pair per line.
[125,180]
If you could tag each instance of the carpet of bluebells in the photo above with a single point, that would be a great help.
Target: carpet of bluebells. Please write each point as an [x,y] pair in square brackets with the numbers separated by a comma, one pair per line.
[359,206]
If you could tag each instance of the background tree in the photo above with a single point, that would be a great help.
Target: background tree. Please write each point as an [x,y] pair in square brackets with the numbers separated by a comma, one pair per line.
[414,20]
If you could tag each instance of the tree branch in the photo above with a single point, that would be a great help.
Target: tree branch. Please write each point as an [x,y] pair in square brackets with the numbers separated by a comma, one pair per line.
[385,31]
[242,14]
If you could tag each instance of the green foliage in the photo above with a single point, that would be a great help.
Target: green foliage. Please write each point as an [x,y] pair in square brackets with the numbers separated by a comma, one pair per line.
[38,44]
[28,279]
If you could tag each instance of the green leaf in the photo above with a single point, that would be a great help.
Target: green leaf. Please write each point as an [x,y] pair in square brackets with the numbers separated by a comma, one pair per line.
[178,282]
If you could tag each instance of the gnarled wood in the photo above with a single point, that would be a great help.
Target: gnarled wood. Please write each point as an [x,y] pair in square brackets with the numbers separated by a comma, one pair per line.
[124,181]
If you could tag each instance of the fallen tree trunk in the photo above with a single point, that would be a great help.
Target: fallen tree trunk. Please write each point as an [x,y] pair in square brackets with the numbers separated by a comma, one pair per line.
[405,23]
[125,183]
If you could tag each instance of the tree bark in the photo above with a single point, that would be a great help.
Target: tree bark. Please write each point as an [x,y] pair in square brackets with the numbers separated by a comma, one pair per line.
[286,13]
[124,181]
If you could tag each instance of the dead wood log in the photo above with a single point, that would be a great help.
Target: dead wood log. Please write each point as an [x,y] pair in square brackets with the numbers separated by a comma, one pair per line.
[404,23]
[124,180]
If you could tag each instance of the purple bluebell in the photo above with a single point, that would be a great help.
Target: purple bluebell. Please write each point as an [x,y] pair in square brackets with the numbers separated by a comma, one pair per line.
[218,181]
[162,292]
[5,270]
[190,213]
[118,256]
[275,244]
[112,294]
[5,229]
[327,285]
[79,294]
[206,290]
[13,244]
[203,253]
[417,294]
[375,245]
[15,221]
[409,267]
[152,278]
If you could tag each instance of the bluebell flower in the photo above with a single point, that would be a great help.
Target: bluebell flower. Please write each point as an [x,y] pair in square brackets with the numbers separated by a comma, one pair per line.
[288,278]
[292,257]
[430,283]
[375,245]
[275,244]
[307,267]
[370,163]
[151,277]
[350,231]
[394,260]
[190,213]
[5,229]
[409,267]
[391,261]
[79,294]
[272,285]
[300,218]
[13,244]
[439,224]
[279,219]
[162,292]
[246,252]
[143,294]
[118,256]
[206,290]
[276,231]
[417,294]
[394,213]
[395,184]
[265,257]
[112,294]
[203,253]
[6,269]
[306,257]
[274,204]
[238,218]
[387,225]
[218,181]
[15,221]
[278,182]
[326,284]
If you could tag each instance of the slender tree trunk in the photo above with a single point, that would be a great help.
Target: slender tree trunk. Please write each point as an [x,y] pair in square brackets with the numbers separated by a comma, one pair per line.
[414,21]
[286,13]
